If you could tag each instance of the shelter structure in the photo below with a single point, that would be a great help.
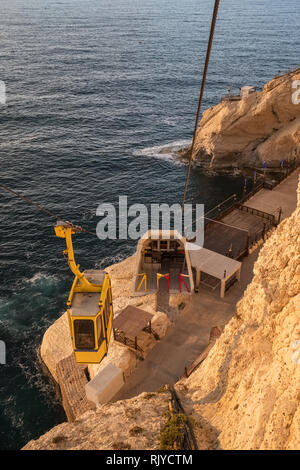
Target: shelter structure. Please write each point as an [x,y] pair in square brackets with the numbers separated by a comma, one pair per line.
[162,261]
[224,269]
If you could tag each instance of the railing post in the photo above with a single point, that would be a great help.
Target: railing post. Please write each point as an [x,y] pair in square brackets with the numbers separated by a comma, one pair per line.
[264,230]
[181,279]
[248,243]
[279,215]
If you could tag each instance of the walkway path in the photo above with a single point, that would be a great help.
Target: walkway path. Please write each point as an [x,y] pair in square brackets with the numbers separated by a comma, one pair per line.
[284,195]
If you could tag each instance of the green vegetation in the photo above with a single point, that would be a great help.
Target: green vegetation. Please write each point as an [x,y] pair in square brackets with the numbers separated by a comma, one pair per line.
[173,431]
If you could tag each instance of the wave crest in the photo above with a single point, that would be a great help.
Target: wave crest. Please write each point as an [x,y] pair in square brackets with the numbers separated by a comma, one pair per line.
[166,151]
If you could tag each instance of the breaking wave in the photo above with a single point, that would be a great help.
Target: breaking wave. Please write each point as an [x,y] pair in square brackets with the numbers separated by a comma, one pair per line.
[113,259]
[166,151]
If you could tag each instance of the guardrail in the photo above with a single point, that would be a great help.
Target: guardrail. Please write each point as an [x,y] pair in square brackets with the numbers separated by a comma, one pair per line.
[121,338]
[159,276]
[149,329]
[144,279]
[181,280]
[252,210]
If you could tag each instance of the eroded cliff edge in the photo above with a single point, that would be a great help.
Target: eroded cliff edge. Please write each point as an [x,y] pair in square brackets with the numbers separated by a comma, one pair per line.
[261,127]
[245,395]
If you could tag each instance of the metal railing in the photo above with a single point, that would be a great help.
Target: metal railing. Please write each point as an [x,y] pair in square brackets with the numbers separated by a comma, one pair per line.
[120,337]
[151,331]
[144,279]
[259,213]
[182,281]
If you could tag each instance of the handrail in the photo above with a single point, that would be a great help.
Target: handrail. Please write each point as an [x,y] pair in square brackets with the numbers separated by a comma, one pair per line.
[144,279]
[120,337]
[255,211]
[181,280]
[159,276]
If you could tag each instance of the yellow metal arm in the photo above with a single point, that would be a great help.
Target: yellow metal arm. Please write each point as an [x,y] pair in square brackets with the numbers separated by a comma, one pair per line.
[62,230]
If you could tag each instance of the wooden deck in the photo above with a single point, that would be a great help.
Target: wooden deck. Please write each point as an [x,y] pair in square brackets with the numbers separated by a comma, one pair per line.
[231,234]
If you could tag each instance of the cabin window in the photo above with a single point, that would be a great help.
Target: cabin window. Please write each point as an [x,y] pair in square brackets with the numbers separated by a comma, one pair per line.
[99,330]
[164,245]
[107,309]
[173,245]
[84,334]
[110,303]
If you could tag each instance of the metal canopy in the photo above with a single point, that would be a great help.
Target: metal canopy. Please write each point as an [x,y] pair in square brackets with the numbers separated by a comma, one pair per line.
[132,320]
[212,263]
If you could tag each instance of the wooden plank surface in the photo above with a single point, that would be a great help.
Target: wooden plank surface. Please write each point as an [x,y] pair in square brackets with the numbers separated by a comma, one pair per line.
[132,320]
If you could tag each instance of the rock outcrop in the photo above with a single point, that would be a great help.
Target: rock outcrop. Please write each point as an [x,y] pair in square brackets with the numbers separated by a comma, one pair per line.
[261,127]
[127,424]
[245,394]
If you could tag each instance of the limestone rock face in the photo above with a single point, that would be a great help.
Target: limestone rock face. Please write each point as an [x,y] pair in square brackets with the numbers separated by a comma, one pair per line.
[246,394]
[262,127]
[127,424]
[56,344]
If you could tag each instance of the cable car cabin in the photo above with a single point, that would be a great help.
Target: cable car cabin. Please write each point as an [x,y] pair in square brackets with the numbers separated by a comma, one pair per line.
[89,306]
[90,318]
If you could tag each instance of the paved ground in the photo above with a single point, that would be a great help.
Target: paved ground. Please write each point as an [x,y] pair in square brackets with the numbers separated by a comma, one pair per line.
[189,335]
[284,196]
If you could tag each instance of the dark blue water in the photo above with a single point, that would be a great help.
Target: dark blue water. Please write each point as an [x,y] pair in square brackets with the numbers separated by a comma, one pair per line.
[93,88]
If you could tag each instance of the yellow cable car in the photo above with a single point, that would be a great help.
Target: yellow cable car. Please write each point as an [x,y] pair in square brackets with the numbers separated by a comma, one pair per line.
[90,309]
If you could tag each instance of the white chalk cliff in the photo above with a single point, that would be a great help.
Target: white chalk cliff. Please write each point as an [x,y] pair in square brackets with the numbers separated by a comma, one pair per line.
[261,127]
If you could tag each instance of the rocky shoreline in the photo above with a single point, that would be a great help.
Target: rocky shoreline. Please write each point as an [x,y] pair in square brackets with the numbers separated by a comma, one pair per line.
[245,133]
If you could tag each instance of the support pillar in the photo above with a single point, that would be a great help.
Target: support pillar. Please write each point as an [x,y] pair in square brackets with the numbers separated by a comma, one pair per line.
[223,282]
[238,275]
[198,275]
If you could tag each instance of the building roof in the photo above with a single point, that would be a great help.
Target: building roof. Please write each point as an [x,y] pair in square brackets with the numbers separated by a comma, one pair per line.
[212,263]
[132,320]
[158,234]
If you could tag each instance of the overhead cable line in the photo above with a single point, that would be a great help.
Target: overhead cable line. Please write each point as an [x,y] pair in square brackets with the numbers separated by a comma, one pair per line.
[43,209]
[210,41]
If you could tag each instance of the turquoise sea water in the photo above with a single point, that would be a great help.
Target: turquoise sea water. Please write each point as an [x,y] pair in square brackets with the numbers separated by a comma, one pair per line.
[95,88]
